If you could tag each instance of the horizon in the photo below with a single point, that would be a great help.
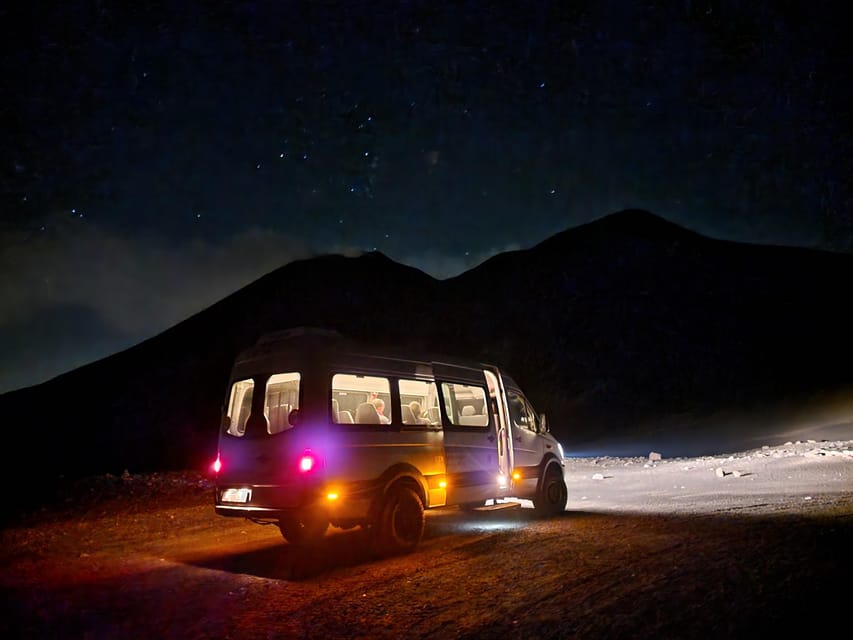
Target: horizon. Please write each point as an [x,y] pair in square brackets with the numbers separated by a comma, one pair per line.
[452,269]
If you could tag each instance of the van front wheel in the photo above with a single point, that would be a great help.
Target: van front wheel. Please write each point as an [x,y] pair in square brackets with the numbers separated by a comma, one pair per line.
[551,498]
[400,523]
[303,529]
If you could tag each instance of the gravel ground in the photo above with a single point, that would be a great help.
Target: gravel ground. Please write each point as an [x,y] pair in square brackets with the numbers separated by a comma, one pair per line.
[745,544]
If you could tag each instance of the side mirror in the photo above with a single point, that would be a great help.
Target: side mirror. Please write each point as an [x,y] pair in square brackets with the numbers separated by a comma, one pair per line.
[543,423]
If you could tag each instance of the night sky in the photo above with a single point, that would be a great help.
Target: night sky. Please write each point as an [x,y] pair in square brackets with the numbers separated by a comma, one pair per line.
[154,160]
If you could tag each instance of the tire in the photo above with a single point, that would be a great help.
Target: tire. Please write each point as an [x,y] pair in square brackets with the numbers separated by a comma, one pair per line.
[400,523]
[304,529]
[552,495]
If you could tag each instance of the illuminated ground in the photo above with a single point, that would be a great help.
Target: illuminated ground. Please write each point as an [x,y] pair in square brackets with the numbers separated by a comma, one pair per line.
[671,548]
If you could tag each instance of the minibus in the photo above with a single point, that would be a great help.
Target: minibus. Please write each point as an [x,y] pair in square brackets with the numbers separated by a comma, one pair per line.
[320,430]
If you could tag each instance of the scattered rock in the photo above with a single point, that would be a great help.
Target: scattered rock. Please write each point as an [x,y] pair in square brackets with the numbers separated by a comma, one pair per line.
[654,456]
[719,472]
[598,476]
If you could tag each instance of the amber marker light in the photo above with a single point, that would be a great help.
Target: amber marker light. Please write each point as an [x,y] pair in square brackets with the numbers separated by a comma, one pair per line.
[516,475]
[332,495]
[442,485]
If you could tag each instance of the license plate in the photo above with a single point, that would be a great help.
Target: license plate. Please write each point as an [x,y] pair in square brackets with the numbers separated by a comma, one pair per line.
[237,495]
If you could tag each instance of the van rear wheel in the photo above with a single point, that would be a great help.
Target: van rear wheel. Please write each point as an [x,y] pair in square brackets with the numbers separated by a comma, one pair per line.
[304,529]
[400,523]
[551,498]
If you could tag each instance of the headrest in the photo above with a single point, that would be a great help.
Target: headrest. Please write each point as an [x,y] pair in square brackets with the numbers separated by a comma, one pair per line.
[467,410]
[366,413]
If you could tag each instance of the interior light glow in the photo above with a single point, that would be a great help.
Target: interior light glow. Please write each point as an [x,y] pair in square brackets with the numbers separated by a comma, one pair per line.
[502,481]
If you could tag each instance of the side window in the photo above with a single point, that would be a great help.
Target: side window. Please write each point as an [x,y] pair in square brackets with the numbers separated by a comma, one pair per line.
[282,398]
[361,399]
[419,402]
[239,407]
[465,405]
[517,412]
[532,418]
[521,412]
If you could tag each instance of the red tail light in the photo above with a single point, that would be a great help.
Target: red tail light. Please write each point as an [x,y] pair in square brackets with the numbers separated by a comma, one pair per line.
[307,462]
[217,464]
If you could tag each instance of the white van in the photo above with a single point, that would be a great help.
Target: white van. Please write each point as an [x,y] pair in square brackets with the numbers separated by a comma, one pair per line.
[318,430]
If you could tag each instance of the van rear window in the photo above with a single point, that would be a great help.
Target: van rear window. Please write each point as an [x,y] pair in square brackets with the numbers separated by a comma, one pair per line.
[239,406]
[280,399]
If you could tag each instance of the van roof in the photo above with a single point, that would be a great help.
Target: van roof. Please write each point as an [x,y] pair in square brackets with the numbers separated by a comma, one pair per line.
[319,339]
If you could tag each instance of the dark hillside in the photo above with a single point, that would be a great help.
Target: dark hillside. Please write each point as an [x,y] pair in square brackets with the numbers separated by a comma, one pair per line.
[606,326]
[630,317]
[157,404]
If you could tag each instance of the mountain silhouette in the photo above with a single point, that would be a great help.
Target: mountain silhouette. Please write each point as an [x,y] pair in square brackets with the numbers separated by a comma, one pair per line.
[606,326]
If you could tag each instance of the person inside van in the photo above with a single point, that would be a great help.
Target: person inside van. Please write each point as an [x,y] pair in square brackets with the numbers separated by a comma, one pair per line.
[379,403]
[420,418]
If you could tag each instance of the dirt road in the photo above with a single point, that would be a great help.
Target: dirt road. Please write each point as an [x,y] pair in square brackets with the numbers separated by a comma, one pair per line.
[149,559]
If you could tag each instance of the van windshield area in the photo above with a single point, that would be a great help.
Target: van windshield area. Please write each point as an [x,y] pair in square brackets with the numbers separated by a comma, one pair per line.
[281,397]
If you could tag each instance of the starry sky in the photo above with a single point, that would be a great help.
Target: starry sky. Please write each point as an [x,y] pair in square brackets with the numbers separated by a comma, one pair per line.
[156,158]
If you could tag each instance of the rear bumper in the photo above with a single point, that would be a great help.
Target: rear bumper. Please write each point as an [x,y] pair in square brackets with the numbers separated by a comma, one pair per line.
[273,503]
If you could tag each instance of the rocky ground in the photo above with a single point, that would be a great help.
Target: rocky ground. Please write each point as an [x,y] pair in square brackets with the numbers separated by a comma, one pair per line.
[750,543]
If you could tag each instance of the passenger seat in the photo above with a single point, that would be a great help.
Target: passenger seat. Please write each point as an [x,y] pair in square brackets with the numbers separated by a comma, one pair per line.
[408,416]
[366,413]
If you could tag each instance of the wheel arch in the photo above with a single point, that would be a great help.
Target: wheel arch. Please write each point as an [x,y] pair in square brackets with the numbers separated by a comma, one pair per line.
[549,460]
[403,474]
